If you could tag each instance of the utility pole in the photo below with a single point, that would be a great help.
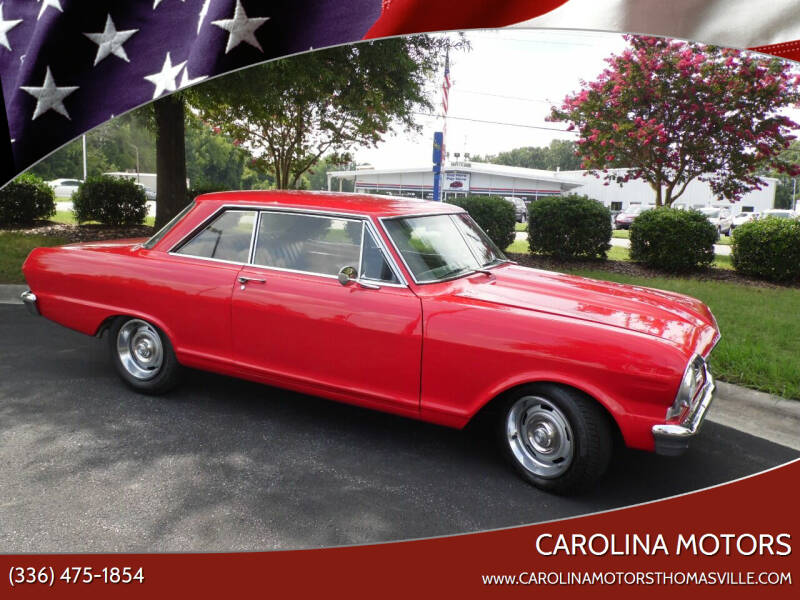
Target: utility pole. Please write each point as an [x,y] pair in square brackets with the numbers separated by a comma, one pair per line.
[135,147]
[84,157]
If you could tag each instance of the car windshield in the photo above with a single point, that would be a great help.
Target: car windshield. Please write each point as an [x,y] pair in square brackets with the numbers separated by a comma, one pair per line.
[439,247]
[711,213]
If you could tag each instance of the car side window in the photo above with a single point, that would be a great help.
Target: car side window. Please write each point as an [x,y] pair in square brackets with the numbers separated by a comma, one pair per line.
[308,243]
[226,238]
[373,262]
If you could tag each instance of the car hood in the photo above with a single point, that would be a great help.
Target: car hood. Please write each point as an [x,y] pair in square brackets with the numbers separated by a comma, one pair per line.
[681,320]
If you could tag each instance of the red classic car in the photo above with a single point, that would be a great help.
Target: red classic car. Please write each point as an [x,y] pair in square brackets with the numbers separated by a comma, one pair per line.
[397,305]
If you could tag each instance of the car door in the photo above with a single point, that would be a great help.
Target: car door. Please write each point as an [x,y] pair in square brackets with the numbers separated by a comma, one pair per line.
[294,322]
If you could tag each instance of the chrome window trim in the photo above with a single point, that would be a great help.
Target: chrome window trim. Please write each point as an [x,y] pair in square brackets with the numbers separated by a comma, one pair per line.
[402,258]
[259,209]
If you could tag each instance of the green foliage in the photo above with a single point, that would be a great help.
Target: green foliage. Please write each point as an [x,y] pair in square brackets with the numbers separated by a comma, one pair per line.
[212,158]
[110,200]
[676,241]
[304,107]
[560,154]
[493,214]
[769,249]
[569,226]
[26,199]
[109,147]
[318,174]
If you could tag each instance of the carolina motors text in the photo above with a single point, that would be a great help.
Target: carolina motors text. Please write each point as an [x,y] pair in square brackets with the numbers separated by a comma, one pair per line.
[631,544]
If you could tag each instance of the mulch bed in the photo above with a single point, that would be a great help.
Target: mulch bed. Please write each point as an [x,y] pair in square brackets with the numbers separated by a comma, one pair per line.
[635,270]
[83,233]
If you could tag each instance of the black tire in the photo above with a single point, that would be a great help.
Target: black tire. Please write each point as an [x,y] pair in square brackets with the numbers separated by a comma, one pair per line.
[154,377]
[572,423]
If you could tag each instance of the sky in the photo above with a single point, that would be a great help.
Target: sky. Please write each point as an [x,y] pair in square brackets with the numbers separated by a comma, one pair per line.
[510,76]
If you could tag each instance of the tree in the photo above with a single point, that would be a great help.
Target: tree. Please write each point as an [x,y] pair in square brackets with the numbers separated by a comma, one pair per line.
[297,110]
[213,160]
[560,154]
[670,112]
[168,113]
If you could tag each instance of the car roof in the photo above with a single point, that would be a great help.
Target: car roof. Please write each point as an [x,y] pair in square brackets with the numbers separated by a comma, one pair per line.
[340,202]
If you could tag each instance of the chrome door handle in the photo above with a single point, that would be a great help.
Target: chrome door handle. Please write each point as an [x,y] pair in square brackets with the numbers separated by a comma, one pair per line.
[245,280]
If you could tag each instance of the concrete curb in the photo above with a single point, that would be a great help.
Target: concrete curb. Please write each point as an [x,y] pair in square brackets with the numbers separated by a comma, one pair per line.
[763,415]
[766,416]
[9,294]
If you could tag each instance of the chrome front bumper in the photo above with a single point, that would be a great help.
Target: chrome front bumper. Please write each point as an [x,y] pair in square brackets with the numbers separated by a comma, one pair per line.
[672,440]
[29,299]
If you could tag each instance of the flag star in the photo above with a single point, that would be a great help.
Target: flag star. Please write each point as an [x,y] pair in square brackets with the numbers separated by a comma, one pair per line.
[54,3]
[240,28]
[165,79]
[187,81]
[5,27]
[49,96]
[110,41]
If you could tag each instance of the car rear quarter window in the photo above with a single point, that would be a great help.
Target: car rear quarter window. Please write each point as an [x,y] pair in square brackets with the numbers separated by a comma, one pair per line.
[226,238]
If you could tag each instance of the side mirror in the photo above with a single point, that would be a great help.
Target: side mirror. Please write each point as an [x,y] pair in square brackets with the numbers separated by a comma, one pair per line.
[347,275]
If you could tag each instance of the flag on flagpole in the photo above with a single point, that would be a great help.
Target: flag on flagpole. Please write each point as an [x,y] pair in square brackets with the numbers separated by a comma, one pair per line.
[445,100]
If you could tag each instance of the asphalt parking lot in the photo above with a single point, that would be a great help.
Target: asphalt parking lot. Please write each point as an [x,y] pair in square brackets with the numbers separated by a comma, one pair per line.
[227,465]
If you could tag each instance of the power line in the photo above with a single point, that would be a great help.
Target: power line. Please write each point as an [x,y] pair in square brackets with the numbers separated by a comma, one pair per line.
[500,123]
[460,91]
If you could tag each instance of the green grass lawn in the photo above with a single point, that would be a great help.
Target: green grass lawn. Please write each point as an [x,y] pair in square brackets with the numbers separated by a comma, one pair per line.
[15,247]
[760,328]
[521,227]
[68,217]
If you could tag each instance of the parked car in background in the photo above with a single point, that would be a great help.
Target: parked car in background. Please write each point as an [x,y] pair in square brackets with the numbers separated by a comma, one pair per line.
[520,208]
[779,213]
[397,305]
[624,219]
[149,194]
[720,218]
[63,188]
[742,218]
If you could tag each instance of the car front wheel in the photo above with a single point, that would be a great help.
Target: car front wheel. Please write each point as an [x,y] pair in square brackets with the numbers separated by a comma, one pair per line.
[143,356]
[555,437]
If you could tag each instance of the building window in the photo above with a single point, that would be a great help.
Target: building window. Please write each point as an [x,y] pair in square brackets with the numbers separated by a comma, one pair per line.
[616,206]
[747,209]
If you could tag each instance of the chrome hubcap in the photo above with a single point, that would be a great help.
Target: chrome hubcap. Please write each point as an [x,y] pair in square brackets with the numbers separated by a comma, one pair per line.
[140,350]
[540,436]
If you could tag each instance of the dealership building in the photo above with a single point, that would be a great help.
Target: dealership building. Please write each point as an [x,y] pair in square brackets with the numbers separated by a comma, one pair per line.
[471,178]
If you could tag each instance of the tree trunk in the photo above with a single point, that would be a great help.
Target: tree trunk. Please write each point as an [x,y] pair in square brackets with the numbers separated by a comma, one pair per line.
[170,158]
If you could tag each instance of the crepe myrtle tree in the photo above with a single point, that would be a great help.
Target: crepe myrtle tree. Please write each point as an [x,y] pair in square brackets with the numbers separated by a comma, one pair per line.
[671,112]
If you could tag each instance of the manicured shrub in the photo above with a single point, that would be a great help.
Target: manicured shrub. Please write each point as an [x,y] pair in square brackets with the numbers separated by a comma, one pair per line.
[768,248]
[569,226]
[26,199]
[493,214]
[673,240]
[110,200]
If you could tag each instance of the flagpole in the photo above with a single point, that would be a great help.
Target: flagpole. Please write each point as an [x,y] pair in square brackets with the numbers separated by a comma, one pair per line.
[445,108]
[84,157]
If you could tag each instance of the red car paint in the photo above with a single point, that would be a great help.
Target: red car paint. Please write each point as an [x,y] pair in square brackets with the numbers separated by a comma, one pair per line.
[438,352]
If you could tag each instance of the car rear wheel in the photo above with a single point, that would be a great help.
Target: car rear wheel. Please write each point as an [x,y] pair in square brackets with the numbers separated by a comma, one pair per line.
[556,438]
[143,356]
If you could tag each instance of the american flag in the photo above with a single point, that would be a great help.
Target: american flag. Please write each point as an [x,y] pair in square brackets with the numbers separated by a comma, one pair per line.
[67,66]
[446,86]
